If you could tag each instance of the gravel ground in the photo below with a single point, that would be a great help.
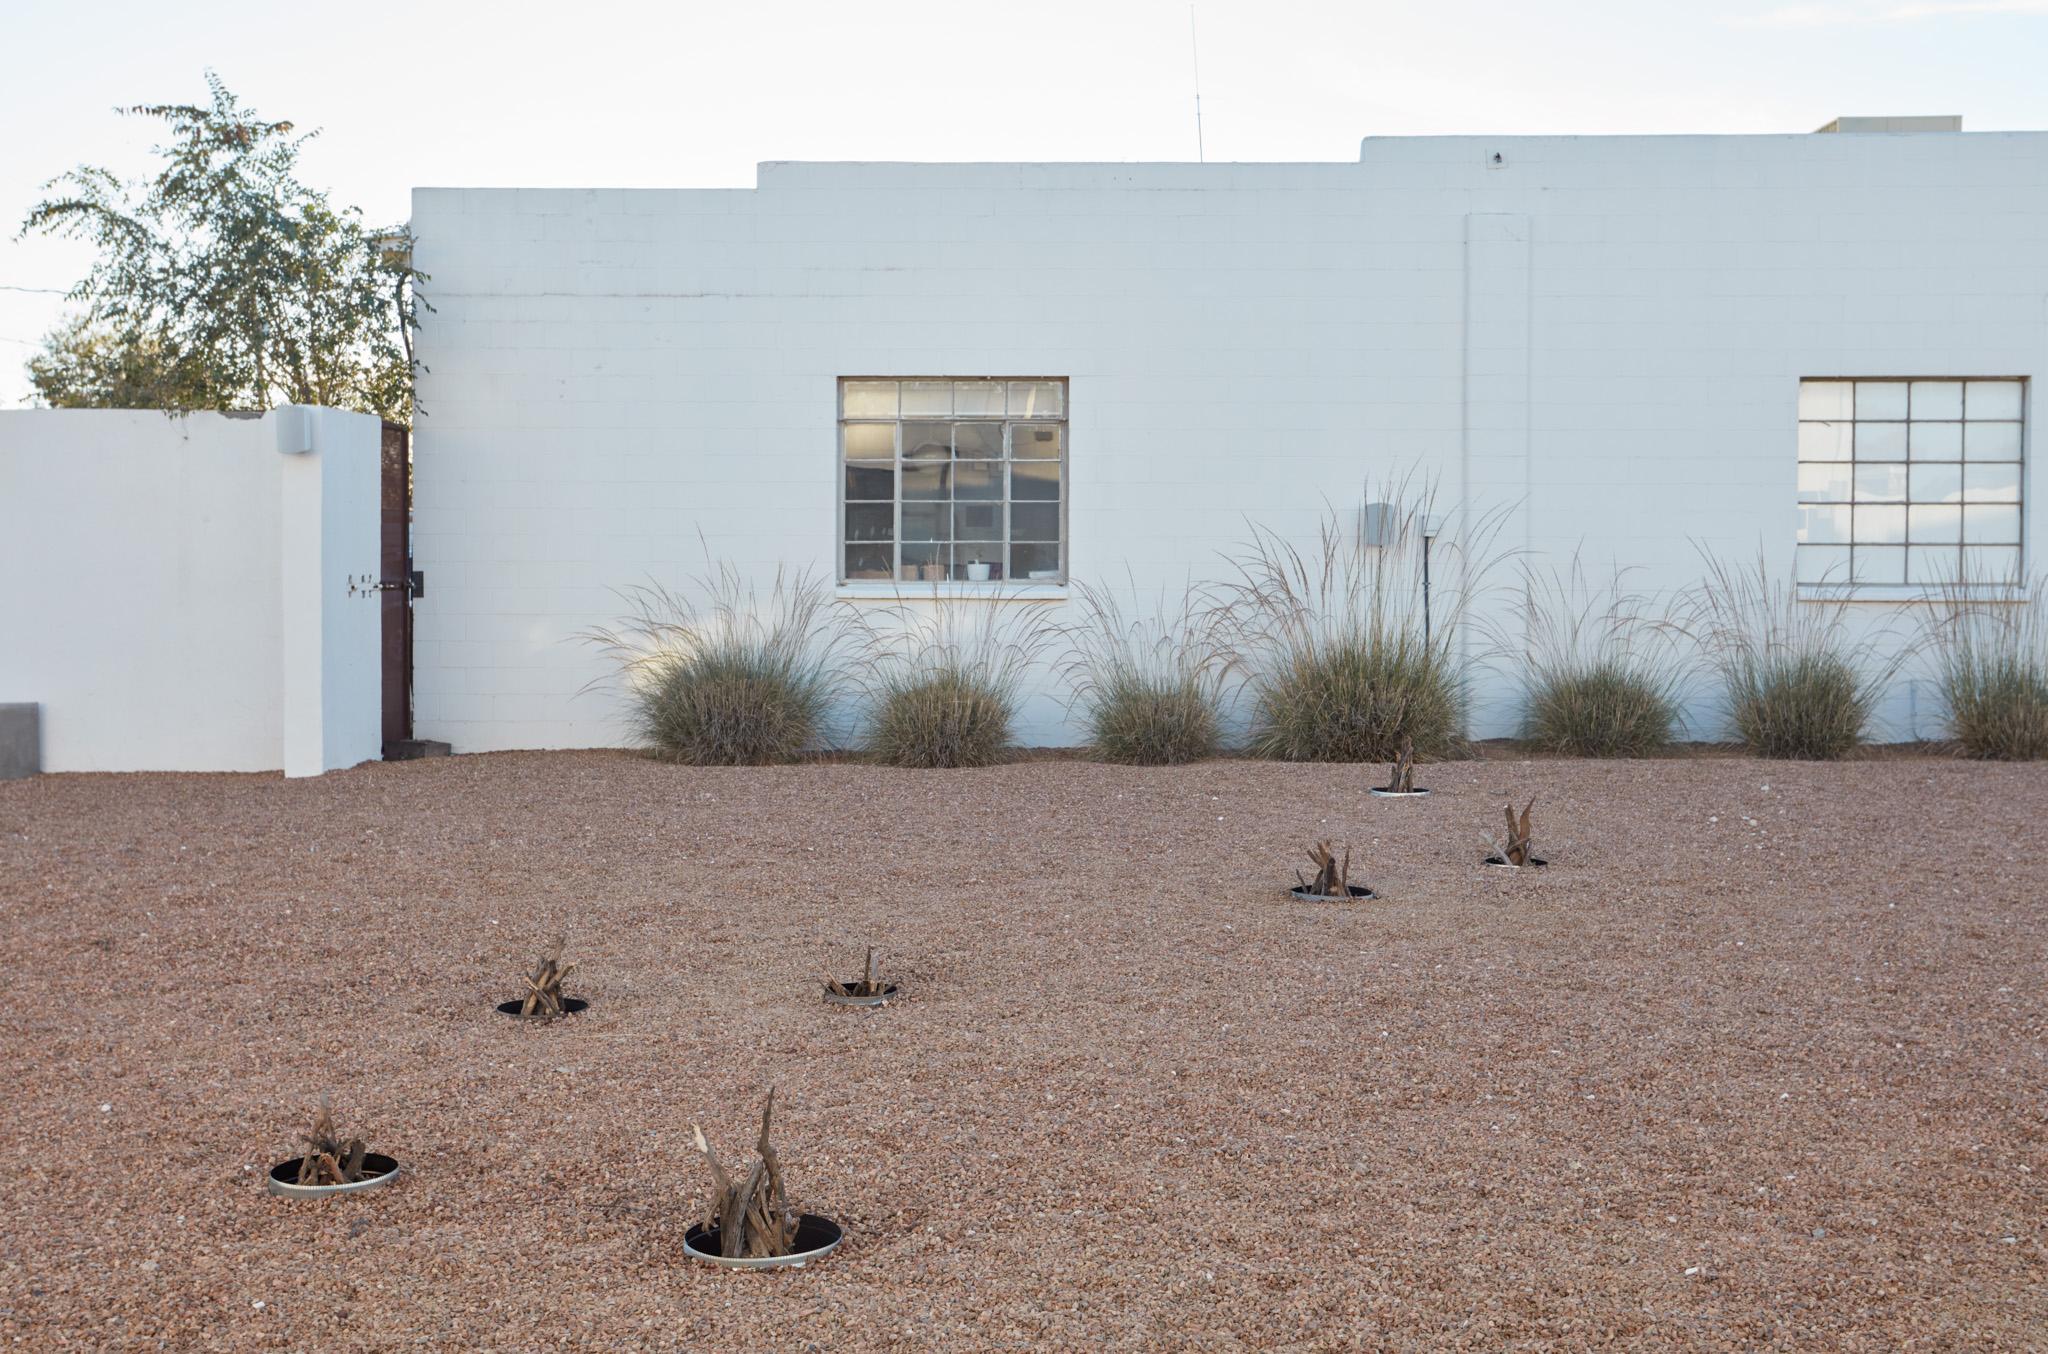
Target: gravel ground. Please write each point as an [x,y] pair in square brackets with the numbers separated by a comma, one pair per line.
[1757,1062]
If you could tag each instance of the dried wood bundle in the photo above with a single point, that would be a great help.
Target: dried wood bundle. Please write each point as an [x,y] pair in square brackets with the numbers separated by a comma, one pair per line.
[1401,780]
[329,1160]
[1333,875]
[1517,849]
[544,987]
[753,1218]
[869,985]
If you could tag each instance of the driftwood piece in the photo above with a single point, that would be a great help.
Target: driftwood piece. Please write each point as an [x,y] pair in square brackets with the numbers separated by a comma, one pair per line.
[1401,779]
[329,1160]
[544,987]
[1518,847]
[1333,875]
[753,1219]
[870,984]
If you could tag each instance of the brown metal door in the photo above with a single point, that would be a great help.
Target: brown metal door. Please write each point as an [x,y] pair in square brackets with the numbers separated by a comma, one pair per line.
[395,563]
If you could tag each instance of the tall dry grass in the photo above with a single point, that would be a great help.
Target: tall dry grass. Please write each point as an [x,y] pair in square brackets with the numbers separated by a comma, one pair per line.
[1148,685]
[943,677]
[1988,642]
[1600,673]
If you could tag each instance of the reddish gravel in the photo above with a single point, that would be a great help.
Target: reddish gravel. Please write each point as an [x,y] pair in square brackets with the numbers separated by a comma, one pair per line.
[1757,1062]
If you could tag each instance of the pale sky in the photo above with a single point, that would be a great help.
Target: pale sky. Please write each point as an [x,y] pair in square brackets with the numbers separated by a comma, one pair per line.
[693,94]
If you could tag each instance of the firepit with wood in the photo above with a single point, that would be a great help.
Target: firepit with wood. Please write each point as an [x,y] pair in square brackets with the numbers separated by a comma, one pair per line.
[1332,882]
[1401,778]
[749,1223]
[330,1165]
[1515,851]
[544,999]
[869,989]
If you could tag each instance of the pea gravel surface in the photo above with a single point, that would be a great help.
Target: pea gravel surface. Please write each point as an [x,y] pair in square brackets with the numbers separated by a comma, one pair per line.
[1757,1062]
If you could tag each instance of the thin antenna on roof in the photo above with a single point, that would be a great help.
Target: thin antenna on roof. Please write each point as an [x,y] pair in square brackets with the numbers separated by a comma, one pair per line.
[1201,156]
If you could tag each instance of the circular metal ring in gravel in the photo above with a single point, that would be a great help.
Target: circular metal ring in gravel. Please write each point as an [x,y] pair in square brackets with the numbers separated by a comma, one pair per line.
[889,993]
[816,1236]
[1496,863]
[570,1006]
[1359,893]
[1378,793]
[283,1178]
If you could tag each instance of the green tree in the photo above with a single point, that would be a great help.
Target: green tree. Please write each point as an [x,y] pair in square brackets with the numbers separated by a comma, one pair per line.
[223,282]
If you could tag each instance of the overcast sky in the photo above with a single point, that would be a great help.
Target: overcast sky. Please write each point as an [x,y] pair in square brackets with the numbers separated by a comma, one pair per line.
[692,94]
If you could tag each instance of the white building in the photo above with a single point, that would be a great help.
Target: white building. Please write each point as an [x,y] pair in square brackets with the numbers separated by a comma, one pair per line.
[1634,343]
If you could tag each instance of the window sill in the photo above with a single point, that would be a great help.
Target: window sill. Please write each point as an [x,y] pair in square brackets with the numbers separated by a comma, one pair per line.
[1907,593]
[908,591]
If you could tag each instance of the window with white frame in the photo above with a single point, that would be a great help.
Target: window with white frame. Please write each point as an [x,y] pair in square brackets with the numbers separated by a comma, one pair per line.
[953,480]
[1909,482]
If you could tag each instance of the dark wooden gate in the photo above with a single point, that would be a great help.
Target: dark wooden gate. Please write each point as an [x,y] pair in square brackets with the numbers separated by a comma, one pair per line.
[395,570]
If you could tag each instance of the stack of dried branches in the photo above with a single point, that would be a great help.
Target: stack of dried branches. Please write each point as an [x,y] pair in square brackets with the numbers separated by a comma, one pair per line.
[1516,849]
[753,1219]
[1401,780]
[544,987]
[329,1160]
[1333,876]
[870,984]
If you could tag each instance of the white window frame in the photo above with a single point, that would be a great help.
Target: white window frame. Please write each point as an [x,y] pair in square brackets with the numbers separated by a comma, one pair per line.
[1009,421]
[1845,428]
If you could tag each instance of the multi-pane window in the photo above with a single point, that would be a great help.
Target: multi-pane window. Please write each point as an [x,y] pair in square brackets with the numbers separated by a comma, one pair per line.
[953,480]
[1909,481]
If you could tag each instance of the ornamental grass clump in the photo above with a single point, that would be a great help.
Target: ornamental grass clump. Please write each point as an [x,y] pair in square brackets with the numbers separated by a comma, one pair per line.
[1149,687]
[1601,677]
[943,679]
[1342,647]
[740,681]
[1989,647]
[1796,685]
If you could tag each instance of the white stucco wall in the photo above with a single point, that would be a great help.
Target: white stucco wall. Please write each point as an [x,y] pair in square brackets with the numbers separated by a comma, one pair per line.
[1602,336]
[178,594]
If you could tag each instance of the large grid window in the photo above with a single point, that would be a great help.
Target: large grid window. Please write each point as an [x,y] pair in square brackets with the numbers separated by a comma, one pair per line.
[949,480]
[1909,482]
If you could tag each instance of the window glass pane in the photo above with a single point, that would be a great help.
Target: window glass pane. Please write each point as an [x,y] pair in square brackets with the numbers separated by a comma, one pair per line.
[1992,399]
[1825,441]
[1874,442]
[871,482]
[1881,399]
[1937,399]
[1992,441]
[1826,399]
[869,399]
[1932,563]
[1035,479]
[1928,524]
[1823,564]
[1877,564]
[926,399]
[1037,399]
[1029,443]
[1991,525]
[925,481]
[925,563]
[1881,526]
[1823,526]
[1936,441]
[927,441]
[1937,484]
[867,561]
[1034,521]
[870,441]
[978,398]
[977,479]
[1995,483]
[1035,563]
[978,441]
[978,521]
[927,522]
[1881,483]
[967,554]
[1991,563]
[1823,482]
[870,522]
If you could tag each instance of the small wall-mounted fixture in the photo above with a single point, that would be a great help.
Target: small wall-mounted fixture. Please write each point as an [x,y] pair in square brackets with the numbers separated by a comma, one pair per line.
[1379,524]
[294,430]
[1496,160]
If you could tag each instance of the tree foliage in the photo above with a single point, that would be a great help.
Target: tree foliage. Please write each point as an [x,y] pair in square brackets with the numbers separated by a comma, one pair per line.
[223,282]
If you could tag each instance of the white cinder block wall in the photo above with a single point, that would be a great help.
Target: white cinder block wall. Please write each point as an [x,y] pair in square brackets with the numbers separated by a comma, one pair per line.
[184,595]
[1601,336]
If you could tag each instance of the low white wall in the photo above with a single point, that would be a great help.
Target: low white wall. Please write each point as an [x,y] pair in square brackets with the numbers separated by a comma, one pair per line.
[179,590]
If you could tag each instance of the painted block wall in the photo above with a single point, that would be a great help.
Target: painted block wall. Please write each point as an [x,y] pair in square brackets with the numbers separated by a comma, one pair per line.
[167,572]
[1601,339]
